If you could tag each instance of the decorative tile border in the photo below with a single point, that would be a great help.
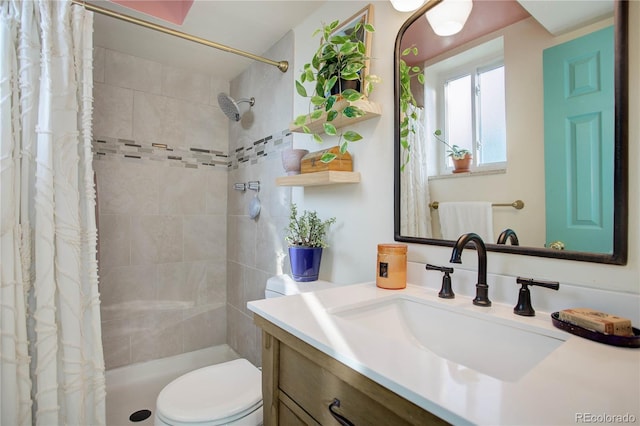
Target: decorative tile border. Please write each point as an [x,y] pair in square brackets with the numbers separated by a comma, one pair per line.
[257,151]
[112,148]
[107,148]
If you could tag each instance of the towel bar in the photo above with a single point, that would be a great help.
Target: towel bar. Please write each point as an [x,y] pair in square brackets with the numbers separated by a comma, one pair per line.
[517,204]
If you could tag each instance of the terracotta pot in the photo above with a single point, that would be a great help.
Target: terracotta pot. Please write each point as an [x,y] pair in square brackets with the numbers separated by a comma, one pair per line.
[291,160]
[462,165]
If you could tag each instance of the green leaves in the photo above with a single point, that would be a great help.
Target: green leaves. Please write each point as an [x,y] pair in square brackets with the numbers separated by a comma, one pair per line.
[351,95]
[307,230]
[330,129]
[316,114]
[351,136]
[300,89]
[407,73]
[341,55]
[299,121]
[352,111]
[328,157]
[317,100]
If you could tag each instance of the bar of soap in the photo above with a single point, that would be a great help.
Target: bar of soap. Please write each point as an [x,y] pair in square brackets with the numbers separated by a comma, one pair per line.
[597,321]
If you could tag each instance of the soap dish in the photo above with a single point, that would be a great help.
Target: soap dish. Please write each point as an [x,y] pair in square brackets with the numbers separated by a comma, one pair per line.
[607,339]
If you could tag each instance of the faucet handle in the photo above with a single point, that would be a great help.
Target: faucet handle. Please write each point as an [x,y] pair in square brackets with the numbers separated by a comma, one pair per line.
[446,292]
[438,268]
[524,306]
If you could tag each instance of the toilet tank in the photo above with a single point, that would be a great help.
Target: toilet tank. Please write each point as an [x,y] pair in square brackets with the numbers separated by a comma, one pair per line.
[284,285]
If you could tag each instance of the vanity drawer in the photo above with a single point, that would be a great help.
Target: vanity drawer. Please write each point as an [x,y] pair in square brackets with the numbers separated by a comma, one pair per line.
[314,388]
[299,382]
[287,416]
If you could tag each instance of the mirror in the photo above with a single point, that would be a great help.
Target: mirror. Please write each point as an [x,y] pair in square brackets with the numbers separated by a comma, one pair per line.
[521,179]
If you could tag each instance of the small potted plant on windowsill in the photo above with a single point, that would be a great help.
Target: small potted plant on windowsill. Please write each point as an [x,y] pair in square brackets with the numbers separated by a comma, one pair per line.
[336,69]
[306,236]
[461,157]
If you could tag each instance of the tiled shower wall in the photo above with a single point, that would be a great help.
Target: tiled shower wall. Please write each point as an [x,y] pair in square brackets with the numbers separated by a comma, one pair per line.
[255,248]
[161,161]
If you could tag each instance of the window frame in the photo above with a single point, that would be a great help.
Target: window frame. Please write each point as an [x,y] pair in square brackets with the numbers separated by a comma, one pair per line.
[470,68]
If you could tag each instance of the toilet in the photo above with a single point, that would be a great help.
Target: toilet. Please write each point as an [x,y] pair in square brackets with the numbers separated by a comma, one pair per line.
[229,393]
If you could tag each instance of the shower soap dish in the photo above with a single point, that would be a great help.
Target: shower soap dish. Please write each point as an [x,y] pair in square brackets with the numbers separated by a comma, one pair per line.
[631,340]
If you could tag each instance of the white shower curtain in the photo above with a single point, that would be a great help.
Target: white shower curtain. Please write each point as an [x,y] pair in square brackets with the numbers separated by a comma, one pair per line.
[414,202]
[51,361]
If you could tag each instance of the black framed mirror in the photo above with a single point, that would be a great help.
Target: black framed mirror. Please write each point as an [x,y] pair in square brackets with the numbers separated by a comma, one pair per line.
[615,172]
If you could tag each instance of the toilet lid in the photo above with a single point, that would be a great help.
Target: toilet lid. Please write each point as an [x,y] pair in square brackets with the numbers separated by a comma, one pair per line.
[221,391]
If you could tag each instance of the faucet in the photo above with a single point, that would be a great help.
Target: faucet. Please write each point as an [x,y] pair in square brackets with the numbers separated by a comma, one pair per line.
[509,234]
[482,289]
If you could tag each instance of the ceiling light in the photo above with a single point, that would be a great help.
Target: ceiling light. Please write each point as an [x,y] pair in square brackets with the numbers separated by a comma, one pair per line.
[406,5]
[449,16]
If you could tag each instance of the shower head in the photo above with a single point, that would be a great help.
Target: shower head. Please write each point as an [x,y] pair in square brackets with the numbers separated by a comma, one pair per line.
[231,107]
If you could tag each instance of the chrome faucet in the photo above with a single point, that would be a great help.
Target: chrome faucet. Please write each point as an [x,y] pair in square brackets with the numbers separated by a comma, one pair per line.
[482,289]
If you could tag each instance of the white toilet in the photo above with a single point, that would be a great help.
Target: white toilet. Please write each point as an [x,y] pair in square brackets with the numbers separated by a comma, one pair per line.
[229,393]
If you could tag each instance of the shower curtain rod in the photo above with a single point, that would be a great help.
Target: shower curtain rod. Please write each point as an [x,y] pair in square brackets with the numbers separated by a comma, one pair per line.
[281,65]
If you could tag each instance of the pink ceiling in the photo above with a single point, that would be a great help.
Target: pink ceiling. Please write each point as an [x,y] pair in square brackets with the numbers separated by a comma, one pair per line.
[173,11]
[486,17]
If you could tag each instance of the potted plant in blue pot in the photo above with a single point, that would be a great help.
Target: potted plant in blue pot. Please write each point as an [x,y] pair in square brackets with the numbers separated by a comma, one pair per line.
[306,236]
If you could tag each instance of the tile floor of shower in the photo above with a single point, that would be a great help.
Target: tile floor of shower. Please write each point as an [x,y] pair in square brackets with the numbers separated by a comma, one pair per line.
[136,387]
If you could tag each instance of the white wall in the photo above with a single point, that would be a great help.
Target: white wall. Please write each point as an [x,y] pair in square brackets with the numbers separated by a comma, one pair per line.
[365,211]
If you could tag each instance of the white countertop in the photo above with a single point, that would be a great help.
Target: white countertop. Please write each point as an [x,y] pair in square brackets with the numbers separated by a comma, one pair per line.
[579,382]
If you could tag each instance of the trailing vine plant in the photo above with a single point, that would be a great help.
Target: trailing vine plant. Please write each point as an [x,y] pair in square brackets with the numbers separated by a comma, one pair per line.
[407,73]
[340,58]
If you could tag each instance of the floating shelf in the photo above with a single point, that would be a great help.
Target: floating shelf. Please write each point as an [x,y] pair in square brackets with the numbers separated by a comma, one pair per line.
[371,109]
[328,177]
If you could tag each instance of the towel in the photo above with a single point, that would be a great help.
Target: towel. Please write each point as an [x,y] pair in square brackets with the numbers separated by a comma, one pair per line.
[467,216]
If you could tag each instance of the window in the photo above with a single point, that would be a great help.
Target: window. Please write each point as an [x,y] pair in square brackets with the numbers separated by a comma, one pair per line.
[471,112]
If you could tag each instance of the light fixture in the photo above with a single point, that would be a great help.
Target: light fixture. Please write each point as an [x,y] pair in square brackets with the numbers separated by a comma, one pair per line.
[449,16]
[406,5]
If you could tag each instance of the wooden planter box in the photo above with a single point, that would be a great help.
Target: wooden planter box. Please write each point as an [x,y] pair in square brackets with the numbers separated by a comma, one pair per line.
[311,162]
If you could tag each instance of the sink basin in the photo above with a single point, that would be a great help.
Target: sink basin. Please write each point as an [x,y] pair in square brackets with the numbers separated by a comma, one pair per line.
[499,348]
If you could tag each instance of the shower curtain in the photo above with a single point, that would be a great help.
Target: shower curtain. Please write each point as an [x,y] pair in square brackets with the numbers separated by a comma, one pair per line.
[415,197]
[51,361]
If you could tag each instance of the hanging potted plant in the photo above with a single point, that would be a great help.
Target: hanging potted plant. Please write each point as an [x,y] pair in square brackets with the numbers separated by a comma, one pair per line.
[306,236]
[337,71]
[461,157]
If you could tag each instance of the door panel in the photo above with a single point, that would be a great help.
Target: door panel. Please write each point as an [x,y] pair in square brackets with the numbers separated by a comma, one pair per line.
[579,142]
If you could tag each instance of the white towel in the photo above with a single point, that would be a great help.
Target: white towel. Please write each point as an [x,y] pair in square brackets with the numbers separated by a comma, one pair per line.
[467,216]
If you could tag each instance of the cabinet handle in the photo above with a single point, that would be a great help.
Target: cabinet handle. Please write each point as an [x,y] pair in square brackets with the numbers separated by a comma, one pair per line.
[339,418]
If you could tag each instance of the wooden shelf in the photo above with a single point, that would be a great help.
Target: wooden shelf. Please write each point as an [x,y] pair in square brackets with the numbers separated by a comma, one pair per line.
[329,177]
[371,109]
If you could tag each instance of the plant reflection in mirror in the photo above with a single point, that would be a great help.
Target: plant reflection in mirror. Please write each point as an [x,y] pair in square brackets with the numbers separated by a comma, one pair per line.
[453,151]
[408,119]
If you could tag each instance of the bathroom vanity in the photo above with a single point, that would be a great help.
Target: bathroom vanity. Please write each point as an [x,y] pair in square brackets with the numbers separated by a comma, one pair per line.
[408,357]
[300,383]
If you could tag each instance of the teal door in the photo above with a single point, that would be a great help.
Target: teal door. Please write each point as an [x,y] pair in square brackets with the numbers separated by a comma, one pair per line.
[579,142]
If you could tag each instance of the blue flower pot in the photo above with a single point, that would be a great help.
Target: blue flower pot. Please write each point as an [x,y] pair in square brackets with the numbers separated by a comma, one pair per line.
[305,263]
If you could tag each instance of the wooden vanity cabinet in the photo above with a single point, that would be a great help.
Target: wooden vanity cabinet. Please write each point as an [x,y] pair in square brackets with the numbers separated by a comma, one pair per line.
[299,383]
